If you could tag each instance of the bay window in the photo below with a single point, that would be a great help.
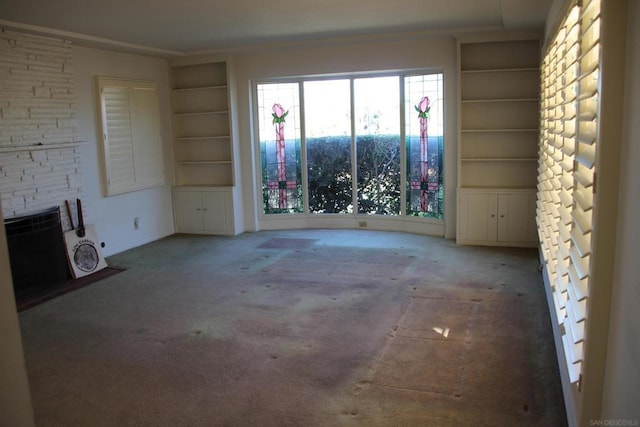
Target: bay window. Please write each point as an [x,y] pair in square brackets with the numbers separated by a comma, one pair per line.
[367,145]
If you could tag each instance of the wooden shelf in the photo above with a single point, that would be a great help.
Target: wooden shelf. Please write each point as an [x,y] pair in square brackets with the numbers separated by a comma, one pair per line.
[497,189]
[522,84]
[499,70]
[202,186]
[201,138]
[203,162]
[498,130]
[498,145]
[499,115]
[500,55]
[199,88]
[200,113]
[199,76]
[487,100]
[498,174]
[499,159]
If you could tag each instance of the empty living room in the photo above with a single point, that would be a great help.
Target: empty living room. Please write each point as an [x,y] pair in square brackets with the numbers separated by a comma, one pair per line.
[376,213]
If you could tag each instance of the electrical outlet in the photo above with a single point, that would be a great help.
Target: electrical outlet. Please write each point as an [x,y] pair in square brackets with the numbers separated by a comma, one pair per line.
[136,223]
[362,224]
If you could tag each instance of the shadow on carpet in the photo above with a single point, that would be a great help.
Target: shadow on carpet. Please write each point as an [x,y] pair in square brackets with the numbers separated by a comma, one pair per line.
[38,296]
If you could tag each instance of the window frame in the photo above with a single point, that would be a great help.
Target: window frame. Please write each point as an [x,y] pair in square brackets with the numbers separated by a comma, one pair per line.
[143,173]
[401,74]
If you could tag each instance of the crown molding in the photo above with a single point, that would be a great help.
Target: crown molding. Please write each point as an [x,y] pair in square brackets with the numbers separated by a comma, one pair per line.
[85,40]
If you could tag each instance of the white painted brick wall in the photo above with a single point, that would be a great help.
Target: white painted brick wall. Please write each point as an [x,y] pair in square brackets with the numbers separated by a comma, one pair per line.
[39,148]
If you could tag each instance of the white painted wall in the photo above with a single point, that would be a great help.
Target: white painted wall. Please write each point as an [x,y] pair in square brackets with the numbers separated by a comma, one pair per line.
[622,377]
[113,216]
[345,56]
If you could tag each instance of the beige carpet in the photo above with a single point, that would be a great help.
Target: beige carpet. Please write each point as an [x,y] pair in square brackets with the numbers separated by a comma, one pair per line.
[300,328]
[463,357]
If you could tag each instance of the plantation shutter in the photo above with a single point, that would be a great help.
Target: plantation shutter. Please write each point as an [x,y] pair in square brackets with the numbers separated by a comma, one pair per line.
[118,139]
[566,181]
[131,135]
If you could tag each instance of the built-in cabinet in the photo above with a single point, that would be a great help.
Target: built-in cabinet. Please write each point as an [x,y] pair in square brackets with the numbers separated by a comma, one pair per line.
[493,217]
[498,136]
[203,148]
[203,211]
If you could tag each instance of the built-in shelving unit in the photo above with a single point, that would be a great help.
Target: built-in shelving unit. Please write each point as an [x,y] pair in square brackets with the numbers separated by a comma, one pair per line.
[498,134]
[204,195]
[201,123]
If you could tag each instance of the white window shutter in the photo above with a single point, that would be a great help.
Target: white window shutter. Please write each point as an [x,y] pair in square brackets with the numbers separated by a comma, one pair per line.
[118,139]
[132,141]
[568,147]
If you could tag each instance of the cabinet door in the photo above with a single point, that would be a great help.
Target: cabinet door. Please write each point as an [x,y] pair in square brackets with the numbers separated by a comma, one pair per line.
[478,215]
[188,210]
[516,217]
[216,206]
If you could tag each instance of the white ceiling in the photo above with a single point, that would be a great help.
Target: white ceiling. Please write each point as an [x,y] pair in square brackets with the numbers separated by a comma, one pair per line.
[189,26]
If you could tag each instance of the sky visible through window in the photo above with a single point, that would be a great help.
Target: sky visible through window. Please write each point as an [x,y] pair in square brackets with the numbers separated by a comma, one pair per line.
[327,108]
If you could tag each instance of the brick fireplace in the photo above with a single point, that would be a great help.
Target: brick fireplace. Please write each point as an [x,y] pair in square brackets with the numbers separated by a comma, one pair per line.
[40,161]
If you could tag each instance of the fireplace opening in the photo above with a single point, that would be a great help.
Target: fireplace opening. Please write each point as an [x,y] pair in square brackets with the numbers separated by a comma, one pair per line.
[36,252]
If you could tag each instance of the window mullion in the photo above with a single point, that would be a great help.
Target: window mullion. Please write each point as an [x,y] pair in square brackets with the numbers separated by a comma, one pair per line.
[354,159]
[303,149]
[403,151]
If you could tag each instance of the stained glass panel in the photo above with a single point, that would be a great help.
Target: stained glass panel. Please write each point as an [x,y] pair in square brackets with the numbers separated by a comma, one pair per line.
[424,123]
[279,133]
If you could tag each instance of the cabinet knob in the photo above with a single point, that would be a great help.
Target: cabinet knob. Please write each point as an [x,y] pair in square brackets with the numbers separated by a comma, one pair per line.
[205,209]
[493,215]
[197,209]
[502,216]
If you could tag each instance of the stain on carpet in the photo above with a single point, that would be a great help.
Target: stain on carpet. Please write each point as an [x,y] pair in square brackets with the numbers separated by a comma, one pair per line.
[287,243]
[342,262]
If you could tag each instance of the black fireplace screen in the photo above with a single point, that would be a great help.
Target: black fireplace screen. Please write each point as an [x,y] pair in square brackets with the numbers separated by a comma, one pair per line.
[36,251]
